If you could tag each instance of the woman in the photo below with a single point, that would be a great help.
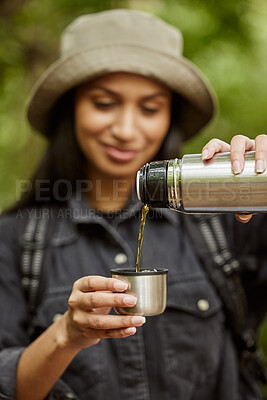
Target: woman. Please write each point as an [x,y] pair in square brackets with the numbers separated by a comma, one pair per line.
[120,96]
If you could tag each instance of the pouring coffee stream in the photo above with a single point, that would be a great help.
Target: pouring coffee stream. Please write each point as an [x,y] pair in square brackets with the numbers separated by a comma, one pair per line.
[145,210]
[149,285]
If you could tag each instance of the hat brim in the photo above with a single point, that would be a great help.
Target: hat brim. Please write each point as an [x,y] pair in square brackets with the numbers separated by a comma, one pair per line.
[179,74]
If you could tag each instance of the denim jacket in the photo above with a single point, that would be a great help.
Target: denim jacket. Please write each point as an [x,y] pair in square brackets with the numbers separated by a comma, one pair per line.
[186,353]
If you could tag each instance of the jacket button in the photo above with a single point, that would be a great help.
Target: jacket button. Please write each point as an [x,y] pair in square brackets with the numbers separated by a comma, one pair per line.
[56,317]
[70,395]
[120,258]
[203,305]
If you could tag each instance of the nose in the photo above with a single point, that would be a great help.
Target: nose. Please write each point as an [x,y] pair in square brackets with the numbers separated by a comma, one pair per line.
[125,124]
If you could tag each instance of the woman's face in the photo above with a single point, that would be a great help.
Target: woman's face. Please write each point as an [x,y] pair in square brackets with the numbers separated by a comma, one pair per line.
[121,120]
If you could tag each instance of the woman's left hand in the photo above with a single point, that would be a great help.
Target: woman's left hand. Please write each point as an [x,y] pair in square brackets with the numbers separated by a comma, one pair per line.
[238,146]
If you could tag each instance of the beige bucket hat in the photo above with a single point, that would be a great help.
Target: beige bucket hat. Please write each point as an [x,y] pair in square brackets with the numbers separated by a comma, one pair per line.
[123,40]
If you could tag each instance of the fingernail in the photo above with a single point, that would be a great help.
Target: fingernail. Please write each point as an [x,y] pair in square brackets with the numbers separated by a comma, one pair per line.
[205,154]
[236,167]
[259,166]
[138,320]
[128,331]
[119,285]
[129,300]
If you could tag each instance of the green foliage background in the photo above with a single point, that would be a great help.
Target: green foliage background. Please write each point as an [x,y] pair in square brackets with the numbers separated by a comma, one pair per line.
[225,39]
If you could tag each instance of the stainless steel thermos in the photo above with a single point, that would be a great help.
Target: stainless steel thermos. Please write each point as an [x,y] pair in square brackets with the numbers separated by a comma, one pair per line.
[194,186]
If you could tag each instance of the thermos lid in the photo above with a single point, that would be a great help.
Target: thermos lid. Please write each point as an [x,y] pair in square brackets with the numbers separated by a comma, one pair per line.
[151,184]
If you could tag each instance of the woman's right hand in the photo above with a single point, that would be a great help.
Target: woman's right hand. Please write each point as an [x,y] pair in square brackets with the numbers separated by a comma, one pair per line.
[87,320]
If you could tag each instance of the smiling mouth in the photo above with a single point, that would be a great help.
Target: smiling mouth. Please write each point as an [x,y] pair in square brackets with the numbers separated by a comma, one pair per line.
[120,155]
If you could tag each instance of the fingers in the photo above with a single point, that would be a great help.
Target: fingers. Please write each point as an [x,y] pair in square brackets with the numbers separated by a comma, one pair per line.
[96,292]
[94,300]
[107,322]
[260,153]
[93,283]
[87,320]
[117,333]
[111,326]
[112,333]
[239,145]
[86,328]
[214,146]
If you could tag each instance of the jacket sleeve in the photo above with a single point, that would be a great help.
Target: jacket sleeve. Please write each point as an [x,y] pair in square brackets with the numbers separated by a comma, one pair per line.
[14,314]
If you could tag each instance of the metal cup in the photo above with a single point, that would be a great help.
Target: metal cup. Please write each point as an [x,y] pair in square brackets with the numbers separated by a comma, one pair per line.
[150,288]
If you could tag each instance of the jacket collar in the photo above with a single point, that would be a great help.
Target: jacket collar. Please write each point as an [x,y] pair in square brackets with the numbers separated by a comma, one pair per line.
[81,213]
[78,212]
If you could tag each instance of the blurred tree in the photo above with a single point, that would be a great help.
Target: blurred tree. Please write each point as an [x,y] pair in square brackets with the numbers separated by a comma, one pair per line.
[9,7]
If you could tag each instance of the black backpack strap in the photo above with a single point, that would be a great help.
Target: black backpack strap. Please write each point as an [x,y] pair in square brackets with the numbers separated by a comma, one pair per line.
[38,228]
[209,240]
[208,237]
